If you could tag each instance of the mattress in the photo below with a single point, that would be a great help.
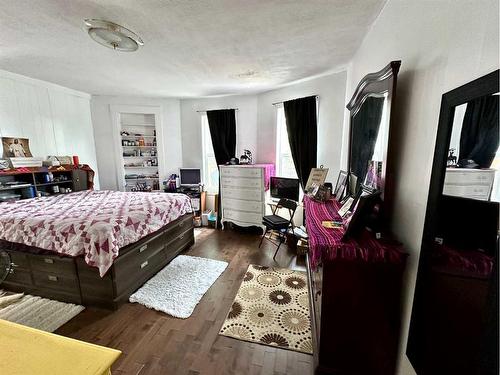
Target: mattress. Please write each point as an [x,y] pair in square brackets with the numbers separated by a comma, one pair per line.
[95,224]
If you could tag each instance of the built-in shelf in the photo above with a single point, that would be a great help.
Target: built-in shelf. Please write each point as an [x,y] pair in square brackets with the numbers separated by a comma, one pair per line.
[15,187]
[141,128]
[54,183]
[138,136]
[139,146]
[140,178]
[137,167]
[139,156]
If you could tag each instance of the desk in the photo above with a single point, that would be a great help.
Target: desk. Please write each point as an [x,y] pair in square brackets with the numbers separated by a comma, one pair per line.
[28,351]
[354,295]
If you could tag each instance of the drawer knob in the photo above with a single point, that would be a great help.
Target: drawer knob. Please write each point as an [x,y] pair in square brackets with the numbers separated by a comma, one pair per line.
[48,260]
[142,248]
[52,278]
[181,237]
[181,224]
[144,264]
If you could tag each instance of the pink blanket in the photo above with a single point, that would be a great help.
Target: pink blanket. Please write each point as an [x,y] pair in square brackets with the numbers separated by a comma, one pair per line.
[94,223]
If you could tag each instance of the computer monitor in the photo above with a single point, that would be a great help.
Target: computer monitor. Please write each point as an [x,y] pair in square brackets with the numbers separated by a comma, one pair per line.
[282,187]
[190,176]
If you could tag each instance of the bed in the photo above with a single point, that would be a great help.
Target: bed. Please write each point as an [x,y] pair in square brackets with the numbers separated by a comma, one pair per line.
[93,247]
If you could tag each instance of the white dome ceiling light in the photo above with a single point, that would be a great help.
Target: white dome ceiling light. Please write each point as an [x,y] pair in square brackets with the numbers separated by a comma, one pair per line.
[112,35]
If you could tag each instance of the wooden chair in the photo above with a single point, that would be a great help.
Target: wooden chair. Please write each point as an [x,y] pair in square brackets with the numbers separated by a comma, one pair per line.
[276,223]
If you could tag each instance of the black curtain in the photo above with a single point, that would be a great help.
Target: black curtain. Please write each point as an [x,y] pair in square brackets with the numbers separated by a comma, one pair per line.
[301,125]
[479,136]
[364,132]
[222,125]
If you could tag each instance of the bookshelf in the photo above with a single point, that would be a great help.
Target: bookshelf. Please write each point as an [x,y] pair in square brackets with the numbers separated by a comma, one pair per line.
[139,151]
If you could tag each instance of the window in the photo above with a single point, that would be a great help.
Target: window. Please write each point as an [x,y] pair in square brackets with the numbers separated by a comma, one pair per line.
[284,161]
[210,169]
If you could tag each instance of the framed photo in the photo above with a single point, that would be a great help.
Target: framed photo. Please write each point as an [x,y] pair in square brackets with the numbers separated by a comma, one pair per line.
[317,177]
[16,147]
[346,207]
[340,186]
[362,207]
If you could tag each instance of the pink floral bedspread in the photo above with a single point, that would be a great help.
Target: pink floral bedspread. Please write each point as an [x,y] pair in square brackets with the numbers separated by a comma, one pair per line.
[94,223]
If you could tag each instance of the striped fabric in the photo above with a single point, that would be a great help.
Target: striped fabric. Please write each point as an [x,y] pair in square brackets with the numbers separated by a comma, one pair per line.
[326,243]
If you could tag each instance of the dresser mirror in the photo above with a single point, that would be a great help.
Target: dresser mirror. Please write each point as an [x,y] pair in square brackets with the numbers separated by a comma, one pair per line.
[370,121]
[454,324]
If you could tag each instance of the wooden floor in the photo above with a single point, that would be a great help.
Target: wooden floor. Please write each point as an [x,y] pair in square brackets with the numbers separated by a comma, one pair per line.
[155,343]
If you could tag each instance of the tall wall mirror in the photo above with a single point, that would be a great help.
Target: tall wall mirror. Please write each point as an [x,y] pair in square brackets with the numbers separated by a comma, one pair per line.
[370,112]
[454,325]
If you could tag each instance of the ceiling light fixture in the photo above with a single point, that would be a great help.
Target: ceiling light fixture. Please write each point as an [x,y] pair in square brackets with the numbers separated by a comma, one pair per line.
[112,35]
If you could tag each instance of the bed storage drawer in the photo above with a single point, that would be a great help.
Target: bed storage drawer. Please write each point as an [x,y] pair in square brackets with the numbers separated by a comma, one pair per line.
[19,276]
[53,264]
[131,273]
[182,225]
[60,282]
[178,243]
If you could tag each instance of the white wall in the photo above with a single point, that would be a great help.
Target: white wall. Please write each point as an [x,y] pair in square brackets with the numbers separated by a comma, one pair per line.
[55,119]
[171,158]
[442,45]
[246,125]
[331,92]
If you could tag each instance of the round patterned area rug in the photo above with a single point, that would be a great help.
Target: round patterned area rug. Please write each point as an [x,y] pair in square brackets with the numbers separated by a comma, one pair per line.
[271,308]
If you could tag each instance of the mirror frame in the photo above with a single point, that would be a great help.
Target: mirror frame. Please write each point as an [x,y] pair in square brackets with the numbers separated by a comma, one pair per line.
[485,85]
[377,84]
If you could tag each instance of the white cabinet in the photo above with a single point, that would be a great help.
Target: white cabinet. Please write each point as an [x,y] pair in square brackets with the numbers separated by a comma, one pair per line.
[242,195]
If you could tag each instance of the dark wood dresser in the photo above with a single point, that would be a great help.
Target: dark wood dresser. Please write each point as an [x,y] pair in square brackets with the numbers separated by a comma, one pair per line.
[355,298]
[71,280]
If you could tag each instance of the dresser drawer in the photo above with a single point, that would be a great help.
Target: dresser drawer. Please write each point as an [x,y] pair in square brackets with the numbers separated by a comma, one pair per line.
[241,205]
[243,194]
[241,172]
[246,217]
[469,176]
[254,183]
[60,282]
[481,192]
[53,263]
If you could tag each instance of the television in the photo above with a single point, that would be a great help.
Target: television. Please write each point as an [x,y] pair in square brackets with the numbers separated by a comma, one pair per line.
[189,176]
[282,187]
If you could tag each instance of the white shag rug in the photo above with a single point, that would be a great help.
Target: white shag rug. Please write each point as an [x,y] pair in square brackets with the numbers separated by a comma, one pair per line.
[179,287]
[37,312]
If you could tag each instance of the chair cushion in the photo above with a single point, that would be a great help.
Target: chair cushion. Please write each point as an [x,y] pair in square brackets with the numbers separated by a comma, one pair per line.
[275,221]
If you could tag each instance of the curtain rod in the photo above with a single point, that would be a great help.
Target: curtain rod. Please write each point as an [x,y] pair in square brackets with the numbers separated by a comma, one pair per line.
[236,109]
[316,96]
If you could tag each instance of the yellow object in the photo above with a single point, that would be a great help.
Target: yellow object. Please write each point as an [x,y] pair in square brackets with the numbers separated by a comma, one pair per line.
[29,351]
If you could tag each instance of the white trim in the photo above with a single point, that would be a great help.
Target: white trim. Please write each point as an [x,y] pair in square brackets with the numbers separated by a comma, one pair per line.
[44,84]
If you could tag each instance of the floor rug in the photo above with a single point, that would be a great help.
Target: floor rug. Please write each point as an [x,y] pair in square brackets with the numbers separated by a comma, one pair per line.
[36,312]
[177,289]
[271,308]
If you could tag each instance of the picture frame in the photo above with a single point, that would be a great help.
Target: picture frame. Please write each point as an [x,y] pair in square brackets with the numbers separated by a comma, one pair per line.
[341,185]
[363,205]
[317,176]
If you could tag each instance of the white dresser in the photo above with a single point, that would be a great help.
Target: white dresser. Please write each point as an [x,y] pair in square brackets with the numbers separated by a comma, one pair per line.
[469,183]
[242,195]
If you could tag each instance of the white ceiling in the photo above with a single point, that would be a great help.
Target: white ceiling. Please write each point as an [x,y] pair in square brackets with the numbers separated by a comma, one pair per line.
[192,47]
